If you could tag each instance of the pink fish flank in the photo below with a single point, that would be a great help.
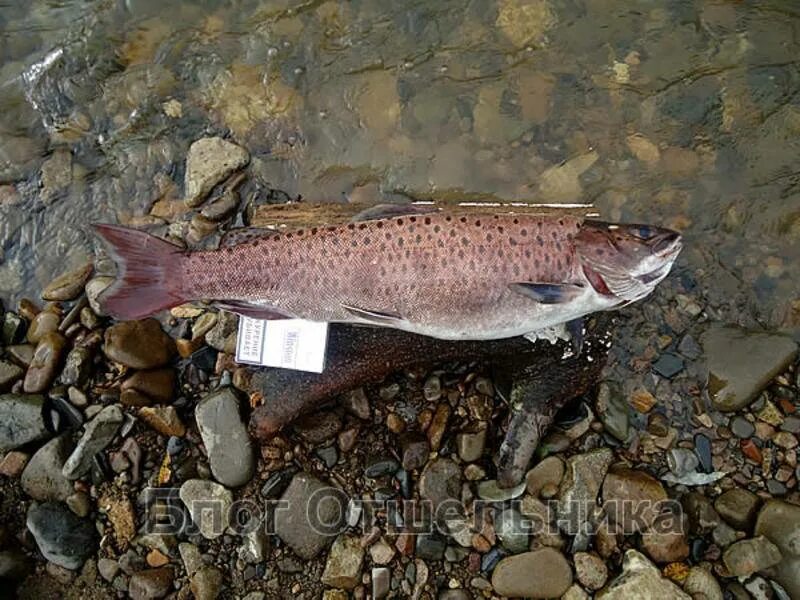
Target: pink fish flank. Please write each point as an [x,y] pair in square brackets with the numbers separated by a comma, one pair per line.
[451,277]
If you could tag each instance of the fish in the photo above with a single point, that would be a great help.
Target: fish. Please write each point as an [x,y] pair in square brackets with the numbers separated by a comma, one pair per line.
[442,275]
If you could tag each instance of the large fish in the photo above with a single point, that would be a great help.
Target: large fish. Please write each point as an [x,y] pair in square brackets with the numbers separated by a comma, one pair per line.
[475,277]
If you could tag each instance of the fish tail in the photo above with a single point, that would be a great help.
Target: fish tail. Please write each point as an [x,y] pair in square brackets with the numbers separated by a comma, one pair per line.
[149,273]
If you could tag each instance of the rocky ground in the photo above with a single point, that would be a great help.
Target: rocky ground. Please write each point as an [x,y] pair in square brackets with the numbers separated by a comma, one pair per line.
[127,469]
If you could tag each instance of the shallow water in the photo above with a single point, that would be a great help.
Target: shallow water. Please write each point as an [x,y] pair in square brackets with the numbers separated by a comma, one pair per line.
[678,113]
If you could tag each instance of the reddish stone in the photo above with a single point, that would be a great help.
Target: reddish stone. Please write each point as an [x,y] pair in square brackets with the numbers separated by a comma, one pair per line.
[751,451]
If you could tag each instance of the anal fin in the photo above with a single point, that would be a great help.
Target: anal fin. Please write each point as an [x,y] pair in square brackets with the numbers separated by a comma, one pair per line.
[376,317]
[251,309]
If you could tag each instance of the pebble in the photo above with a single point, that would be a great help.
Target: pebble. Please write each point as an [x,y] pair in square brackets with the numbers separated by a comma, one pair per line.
[741,363]
[221,208]
[583,477]
[440,481]
[68,286]
[198,495]
[139,344]
[157,384]
[779,522]
[209,161]
[702,447]
[343,567]
[742,428]
[206,583]
[682,461]
[512,530]
[21,420]
[430,546]
[542,573]
[357,403]
[45,363]
[79,503]
[13,463]
[43,323]
[292,523]
[738,507]
[95,287]
[414,449]
[328,455]
[749,556]
[624,487]
[151,583]
[665,542]
[9,373]
[379,466]
[381,582]
[438,425]
[62,537]
[319,427]
[613,410]
[700,583]
[107,568]
[228,445]
[590,570]
[470,444]
[640,579]
[785,440]
[77,367]
[164,419]
[42,478]
[668,365]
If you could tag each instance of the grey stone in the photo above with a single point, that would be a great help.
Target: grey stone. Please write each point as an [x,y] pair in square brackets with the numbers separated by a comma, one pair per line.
[779,522]
[741,363]
[491,491]
[577,496]
[151,583]
[742,428]
[107,568]
[311,514]
[440,481]
[512,530]
[62,537]
[230,451]
[613,409]
[96,436]
[548,472]
[209,503]
[542,573]
[77,366]
[209,161]
[42,478]
[381,581]
[21,420]
[470,444]
[640,579]
[9,373]
[750,556]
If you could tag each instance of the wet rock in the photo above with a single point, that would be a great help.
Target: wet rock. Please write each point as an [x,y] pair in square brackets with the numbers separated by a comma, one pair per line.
[738,507]
[42,478]
[668,365]
[543,573]
[741,363]
[97,435]
[343,567]
[682,461]
[164,419]
[209,161]
[308,496]
[700,583]
[750,556]
[9,374]
[45,363]
[77,367]
[209,503]
[491,491]
[613,410]
[139,344]
[68,286]
[779,522]
[206,583]
[590,570]
[230,452]
[583,477]
[549,472]
[156,384]
[470,444]
[643,149]
[151,583]
[415,449]
[56,174]
[62,537]
[742,428]
[702,447]
[379,466]
[21,420]
[640,579]
[95,287]
[440,481]
[624,489]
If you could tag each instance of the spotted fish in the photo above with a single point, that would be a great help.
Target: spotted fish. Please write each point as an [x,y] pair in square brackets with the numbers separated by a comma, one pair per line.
[456,277]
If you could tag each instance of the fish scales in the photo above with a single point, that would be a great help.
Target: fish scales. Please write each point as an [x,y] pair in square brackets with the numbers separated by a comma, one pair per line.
[442,273]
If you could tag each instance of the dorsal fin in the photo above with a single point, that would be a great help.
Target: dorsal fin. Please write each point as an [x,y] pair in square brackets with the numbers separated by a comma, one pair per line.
[388,211]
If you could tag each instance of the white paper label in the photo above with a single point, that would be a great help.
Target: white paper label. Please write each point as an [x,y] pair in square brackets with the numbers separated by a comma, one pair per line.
[285,343]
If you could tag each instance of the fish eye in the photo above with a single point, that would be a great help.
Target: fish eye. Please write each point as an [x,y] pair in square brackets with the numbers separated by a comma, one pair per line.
[642,232]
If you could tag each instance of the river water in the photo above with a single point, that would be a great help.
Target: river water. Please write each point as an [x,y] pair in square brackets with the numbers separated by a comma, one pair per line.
[682,113]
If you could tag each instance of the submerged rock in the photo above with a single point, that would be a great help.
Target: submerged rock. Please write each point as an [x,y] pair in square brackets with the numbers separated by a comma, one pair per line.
[210,160]
[741,363]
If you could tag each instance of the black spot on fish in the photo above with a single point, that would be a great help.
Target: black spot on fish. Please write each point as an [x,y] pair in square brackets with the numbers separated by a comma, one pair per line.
[427,220]
[440,243]
[362,226]
[379,224]
[539,240]
[463,219]
[558,246]
[399,221]
[413,219]
[523,232]
[461,254]
[452,233]
[599,252]
[300,232]
[366,241]
[354,243]
[288,236]
[500,229]
[478,223]
[255,243]
[448,219]
[527,253]
[351,226]
[465,241]
[314,231]
[400,242]
[388,235]
[488,237]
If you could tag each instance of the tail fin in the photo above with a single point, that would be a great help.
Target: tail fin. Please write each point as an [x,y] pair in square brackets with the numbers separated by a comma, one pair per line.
[149,274]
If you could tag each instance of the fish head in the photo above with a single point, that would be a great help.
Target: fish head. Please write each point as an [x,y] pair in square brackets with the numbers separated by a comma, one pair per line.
[626,261]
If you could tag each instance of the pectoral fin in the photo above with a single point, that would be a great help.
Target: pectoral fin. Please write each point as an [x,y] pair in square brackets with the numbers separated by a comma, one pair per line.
[387,211]
[549,293]
[375,317]
[576,332]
